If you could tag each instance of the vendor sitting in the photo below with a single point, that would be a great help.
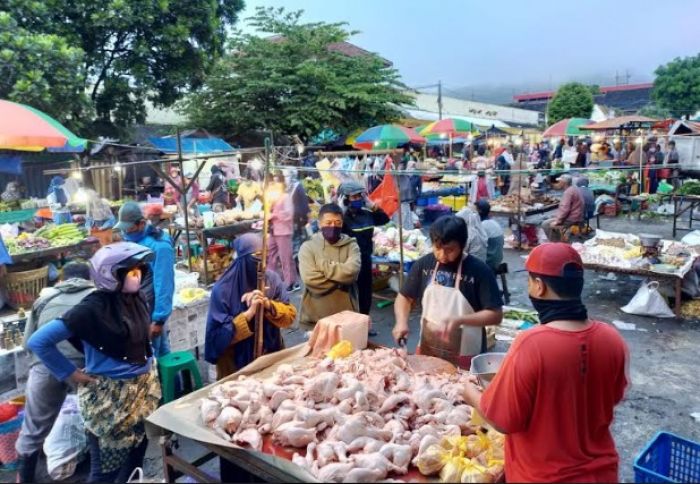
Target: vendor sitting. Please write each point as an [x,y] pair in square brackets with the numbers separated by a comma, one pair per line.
[230,336]
[570,212]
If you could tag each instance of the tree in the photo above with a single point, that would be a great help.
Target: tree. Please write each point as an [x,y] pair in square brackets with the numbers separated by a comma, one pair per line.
[42,71]
[572,100]
[677,86]
[294,84]
[134,50]
[653,110]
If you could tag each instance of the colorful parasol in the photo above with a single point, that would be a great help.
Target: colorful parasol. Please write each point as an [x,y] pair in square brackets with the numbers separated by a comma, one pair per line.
[566,127]
[449,127]
[24,128]
[386,136]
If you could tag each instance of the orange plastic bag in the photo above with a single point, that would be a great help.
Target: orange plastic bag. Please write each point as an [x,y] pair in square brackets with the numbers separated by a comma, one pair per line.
[386,195]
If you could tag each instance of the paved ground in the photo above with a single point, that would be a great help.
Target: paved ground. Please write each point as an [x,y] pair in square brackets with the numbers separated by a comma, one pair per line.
[663,359]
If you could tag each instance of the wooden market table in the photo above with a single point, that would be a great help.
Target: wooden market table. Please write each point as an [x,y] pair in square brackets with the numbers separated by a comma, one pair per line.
[52,251]
[519,217]
[692,202]
[675,279]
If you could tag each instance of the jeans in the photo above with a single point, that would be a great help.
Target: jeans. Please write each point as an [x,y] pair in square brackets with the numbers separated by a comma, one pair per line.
[134,460]
[161,344]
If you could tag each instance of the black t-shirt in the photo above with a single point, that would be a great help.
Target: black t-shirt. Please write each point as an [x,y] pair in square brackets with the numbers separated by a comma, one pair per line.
[478,284]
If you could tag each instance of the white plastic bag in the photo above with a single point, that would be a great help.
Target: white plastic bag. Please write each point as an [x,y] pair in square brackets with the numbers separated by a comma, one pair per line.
[692,238]
[66,442]
[649,302]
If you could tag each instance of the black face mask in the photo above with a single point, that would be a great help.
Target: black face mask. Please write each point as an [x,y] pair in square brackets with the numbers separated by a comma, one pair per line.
[558,310]
[331,234]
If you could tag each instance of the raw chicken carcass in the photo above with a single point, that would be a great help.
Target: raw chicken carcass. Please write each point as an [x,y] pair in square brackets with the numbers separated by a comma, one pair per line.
[294,434]
[335,472]
[377,462]
[326,454]
[359,474]
[322,387]
[365,444]
[359,426]
[229,420]
[278,397]
[249,437]
[393,401]
[209,409]
[399,455]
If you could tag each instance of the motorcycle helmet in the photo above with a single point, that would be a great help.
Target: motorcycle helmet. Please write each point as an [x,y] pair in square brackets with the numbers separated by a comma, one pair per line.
[107,261]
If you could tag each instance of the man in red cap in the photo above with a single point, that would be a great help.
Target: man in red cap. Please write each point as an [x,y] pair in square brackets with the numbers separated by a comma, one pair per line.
[556,390]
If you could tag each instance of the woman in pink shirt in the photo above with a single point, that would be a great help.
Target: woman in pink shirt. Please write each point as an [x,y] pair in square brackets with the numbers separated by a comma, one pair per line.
[282,229]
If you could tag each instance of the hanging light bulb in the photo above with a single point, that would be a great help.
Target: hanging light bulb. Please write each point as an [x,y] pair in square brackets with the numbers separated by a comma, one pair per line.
[80,196]
[300,149]
[77,175]
[117,167]
[639,140]
[518,141]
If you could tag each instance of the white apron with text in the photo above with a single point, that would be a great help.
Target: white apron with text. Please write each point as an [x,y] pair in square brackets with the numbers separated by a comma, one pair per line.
[440,303]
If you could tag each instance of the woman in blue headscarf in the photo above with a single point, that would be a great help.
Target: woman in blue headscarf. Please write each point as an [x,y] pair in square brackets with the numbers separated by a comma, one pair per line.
[235,299]
[57,193]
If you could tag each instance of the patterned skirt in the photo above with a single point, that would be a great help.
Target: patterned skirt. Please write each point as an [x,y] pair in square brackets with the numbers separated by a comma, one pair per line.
[115,412]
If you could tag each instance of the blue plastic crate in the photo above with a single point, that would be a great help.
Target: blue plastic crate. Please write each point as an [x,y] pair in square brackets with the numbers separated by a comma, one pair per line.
[668,458]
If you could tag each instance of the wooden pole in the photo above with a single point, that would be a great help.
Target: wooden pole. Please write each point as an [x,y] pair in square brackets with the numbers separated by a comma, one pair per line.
[262,266]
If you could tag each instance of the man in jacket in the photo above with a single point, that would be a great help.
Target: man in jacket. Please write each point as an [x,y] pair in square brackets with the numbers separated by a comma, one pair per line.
[135,229]
[361,216]
[329,264]
[44,393]
[570,212]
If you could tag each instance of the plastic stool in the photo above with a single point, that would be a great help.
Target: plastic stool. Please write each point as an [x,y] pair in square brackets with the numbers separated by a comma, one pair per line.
[170,367]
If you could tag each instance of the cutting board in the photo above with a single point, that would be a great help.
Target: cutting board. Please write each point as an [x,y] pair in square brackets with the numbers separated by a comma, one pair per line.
[430,364]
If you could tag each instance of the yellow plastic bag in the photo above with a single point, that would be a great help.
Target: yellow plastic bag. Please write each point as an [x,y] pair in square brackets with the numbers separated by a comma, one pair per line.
[342,349]
[473,472]
[452,471]
[432,460]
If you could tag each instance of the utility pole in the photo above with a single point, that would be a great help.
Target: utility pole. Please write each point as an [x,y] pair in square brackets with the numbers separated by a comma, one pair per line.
[439,99]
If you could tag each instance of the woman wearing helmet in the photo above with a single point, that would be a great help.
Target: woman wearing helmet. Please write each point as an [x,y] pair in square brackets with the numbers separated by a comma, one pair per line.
[118,388]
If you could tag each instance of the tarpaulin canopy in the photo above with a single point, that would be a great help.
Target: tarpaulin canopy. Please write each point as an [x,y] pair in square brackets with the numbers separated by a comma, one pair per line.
[191,145]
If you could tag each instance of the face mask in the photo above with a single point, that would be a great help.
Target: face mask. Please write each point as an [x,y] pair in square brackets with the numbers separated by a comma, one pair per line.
[357,204]
[135,236]
[331,234]
[132,282]
[557,310]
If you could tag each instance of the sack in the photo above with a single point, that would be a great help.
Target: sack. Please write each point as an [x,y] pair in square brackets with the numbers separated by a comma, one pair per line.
[649,302]
[386,195]
[66,442]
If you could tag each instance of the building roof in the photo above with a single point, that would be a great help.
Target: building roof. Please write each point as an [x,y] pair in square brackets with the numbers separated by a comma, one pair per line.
[619,122]
[603,90]
[482,123]
[691,128]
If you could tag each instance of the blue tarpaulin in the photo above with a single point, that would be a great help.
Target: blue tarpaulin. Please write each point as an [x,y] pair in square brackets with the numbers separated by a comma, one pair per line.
[191,146]
[11,164]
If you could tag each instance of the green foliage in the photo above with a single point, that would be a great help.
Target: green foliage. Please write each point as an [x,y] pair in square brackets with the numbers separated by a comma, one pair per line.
[677,86]
[595,89]
[43,71]
[653,110]
[293,84]
[572,100]
[133,50]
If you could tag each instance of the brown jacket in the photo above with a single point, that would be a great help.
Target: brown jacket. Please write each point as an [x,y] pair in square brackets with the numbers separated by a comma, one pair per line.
[329,272]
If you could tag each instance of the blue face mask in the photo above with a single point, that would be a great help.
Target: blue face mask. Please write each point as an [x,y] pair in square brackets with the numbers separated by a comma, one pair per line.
[135,237]
[357,204]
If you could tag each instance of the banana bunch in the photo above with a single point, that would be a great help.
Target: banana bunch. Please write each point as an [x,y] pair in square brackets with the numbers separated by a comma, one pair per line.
[60,235]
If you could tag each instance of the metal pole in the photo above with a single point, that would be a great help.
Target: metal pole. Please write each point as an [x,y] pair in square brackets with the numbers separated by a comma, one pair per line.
[184,205]
[262,266]
[641,168]
[398,192]
[439,99]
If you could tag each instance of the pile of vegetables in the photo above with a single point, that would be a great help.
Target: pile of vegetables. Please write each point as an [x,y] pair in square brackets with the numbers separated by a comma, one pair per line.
[62,235]
[386,243]
[26,242]
[314,188]
[690,187]
[521,315]
[229,217]
[9,206]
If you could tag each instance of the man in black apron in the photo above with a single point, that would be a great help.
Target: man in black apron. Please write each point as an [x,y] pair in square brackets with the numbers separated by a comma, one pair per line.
[459,297]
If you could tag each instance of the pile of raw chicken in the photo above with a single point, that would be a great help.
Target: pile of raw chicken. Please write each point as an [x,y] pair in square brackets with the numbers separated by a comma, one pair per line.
[359,419]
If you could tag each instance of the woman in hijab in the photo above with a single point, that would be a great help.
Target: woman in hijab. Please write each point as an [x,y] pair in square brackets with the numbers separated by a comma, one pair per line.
[477,240]
[57,194]
[118,388]
[229,341]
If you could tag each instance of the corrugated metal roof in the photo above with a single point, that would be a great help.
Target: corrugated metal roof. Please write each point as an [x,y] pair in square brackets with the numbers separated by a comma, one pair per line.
[191,145]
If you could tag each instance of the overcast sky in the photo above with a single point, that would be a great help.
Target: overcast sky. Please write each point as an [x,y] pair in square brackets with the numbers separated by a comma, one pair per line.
[514,42]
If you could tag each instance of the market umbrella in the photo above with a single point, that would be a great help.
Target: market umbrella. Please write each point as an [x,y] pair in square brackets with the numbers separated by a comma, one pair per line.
[566,127]
[24,128]
[449,127]
[386,136]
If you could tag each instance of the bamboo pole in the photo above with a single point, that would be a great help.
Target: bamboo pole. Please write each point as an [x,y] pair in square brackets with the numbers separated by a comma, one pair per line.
[187,221]
[262,266]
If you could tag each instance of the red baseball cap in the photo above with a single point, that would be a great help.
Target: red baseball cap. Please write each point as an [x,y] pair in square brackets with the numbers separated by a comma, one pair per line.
[554,259]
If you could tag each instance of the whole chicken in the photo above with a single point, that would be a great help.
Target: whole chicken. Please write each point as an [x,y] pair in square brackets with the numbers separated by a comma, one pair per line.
[229,419]
[399,455]
[326,454]
[359,426]
[393,401]
[377,462]
[249,437]
[335,472]
[322,387]
[360,474]
[209,409]
[294,434]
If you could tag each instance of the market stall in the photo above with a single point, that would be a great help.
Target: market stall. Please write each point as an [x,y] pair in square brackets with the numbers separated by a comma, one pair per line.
[523,211]
[286,445]
[645,256]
